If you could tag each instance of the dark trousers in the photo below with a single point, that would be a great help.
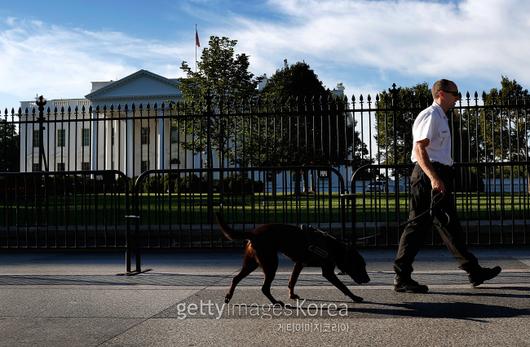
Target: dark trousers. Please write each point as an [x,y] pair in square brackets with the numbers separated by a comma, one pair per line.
[413,235]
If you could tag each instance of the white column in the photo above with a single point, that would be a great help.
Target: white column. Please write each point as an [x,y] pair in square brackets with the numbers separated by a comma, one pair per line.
[129,147]
[25,144]
[94,142]
[161,143]
[108,144]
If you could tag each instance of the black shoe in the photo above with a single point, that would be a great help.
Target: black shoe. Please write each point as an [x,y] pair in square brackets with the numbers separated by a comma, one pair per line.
[408,285]
[483,274]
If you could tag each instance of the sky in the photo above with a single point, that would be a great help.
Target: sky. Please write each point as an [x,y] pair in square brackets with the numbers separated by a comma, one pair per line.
[57,47]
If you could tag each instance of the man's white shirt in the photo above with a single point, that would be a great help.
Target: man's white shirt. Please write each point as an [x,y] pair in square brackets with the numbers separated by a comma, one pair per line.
[432,124]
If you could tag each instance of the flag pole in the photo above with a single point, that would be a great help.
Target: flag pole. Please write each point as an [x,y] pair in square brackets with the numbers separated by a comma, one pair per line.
[196,43]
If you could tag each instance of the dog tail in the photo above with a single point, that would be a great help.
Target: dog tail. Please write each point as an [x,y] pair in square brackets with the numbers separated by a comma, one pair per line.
[230,233]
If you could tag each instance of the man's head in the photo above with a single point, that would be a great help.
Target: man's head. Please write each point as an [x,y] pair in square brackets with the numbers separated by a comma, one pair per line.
[445,93]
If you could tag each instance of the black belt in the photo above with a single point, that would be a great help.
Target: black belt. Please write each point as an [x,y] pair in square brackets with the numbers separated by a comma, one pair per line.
[446,172]
[443,169]
[436,164]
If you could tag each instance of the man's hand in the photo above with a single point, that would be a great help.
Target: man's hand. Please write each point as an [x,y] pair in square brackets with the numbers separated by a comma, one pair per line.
[437,185]
[424,161]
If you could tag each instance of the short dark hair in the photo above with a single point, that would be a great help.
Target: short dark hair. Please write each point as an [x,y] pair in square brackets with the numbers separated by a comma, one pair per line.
[442,84]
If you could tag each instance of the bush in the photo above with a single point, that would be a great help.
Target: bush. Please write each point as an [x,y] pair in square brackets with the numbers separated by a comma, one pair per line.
[238,184]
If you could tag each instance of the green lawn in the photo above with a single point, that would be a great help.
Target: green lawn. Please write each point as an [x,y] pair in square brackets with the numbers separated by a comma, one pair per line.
[193,208]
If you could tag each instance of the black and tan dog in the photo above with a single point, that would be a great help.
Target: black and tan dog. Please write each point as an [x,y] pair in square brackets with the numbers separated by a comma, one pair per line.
[304,247]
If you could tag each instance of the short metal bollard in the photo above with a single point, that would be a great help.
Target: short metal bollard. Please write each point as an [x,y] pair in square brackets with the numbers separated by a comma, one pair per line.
[133,248]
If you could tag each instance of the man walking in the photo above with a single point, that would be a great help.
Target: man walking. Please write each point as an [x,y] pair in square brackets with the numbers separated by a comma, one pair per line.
[432,179]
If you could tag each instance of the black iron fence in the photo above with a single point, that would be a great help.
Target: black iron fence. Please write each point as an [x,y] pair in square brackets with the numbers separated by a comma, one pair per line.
[260,160]
[176,206]
[492,201]
[70,209]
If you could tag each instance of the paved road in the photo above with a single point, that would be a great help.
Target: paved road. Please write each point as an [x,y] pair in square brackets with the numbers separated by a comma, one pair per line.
[58,299]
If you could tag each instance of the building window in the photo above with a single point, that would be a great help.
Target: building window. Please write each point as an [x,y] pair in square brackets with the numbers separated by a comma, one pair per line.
[85,166]
[61,137]
[35,167]
[174,161]
[145,165]
[60,166]
[85,139]
[145,136]
[36,138]
[174,135]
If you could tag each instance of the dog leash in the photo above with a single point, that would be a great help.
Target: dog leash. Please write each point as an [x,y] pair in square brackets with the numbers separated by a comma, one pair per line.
[436,199]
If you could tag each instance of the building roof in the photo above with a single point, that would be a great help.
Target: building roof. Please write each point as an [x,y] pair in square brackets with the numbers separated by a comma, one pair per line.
[163,87]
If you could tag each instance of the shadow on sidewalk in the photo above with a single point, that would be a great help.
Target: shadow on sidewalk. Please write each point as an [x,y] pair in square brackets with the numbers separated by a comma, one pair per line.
[452,310]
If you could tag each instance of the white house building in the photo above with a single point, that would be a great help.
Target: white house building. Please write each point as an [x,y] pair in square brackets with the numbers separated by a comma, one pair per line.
[122,139]
[103,132]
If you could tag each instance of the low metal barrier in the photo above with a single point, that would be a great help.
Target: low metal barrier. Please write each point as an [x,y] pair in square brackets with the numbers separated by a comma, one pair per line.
[176,206]
[69,209]
[492,200]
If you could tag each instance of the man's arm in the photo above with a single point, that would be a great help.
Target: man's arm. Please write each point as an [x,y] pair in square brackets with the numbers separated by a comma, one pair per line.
[420,150]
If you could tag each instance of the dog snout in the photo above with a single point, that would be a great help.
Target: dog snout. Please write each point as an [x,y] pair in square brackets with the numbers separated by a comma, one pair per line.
[362,278]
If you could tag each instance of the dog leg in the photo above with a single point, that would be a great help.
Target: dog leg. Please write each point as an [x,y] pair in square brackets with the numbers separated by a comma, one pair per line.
[292,280]
[249,265]
[269,263]
[329,274]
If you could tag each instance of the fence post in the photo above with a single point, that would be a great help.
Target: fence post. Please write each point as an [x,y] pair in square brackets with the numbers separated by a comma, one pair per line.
[394,103]
[133,244]
[41,101]
[209,156]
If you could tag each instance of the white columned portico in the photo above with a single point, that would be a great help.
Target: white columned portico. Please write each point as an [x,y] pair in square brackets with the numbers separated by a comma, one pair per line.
[128,152]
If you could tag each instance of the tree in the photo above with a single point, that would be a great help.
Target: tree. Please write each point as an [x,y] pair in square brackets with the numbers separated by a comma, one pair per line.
[396,110]
[504,122]
[313,126]
[221,77]
[9,146]
[220,73]
[297,80]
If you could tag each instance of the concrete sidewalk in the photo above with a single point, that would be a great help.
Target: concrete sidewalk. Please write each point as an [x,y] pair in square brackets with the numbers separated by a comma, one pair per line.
[69,298]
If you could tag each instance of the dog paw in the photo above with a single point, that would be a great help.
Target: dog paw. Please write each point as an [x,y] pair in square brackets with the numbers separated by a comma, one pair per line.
[227,299]
[294,297]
